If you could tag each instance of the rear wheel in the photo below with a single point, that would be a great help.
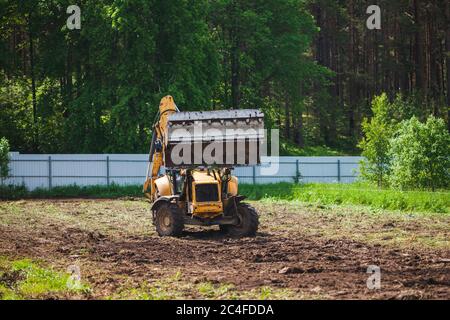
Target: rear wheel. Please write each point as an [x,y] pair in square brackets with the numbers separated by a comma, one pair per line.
[169,220]
[248,222]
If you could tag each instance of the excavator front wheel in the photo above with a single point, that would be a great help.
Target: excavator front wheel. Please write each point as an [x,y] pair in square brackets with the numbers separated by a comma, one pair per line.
[248,222]
[169,220]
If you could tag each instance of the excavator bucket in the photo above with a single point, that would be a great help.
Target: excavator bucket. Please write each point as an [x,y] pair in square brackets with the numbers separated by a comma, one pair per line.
[223,138]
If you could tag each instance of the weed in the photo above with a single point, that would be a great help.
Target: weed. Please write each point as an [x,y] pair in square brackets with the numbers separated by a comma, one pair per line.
[24,279]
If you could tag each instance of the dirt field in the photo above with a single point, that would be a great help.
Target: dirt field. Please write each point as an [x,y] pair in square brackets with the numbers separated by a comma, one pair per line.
[301,251]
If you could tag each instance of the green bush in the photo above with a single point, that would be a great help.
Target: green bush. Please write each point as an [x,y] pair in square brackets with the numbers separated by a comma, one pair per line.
[4,158]
[12,192]
[376,142]
[420,155]
[404,154]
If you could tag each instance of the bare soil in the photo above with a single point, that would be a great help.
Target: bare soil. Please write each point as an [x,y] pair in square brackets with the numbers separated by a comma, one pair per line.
[115,252]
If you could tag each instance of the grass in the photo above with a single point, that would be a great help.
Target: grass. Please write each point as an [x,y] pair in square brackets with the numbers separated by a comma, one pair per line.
[351,194]
[95,216]
[396,229]
[116,219]
[25,279]
[210,290]
[73,191]
[176,287]
[317,193]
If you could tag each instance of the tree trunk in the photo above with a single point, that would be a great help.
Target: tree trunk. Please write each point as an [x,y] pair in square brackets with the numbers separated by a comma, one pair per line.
[235,63]
[33,90]
[419,58]
[234,77]
[447,62]
[298,129]
[287,120]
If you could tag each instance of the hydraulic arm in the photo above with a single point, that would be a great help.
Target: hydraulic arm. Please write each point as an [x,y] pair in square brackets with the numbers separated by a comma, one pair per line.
[159,136]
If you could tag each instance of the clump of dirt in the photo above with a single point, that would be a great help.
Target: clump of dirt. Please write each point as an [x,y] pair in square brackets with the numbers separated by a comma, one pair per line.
[9,279]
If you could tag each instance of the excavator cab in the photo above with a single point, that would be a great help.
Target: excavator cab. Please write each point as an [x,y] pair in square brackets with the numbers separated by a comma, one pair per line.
[198,151]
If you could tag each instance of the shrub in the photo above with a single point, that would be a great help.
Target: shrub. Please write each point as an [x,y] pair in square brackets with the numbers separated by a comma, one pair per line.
[12,192]
[4,158]
[421,155]
[376,142]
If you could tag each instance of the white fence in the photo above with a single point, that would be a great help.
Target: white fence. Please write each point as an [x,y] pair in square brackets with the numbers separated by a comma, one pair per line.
[50,170]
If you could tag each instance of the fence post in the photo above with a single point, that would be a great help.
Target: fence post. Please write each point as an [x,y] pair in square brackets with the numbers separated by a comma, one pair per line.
[107,171]
[49,172]
[254,174]
[297,171]
[339,170]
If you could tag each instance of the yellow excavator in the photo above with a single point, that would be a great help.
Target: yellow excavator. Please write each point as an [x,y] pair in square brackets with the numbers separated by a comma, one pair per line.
[192,155]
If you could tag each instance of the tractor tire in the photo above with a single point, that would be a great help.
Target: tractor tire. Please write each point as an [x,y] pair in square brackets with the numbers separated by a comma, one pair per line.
[248,222]
[169,220]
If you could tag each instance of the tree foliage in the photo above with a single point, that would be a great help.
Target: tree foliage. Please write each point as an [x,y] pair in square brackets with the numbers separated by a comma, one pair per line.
[375,144]
[97,89]
[404,153]
[311,65]
[4,158]
[408,55]
[421,155]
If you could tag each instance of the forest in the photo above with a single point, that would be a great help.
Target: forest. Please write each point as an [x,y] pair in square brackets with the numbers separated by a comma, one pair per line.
[312,66]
